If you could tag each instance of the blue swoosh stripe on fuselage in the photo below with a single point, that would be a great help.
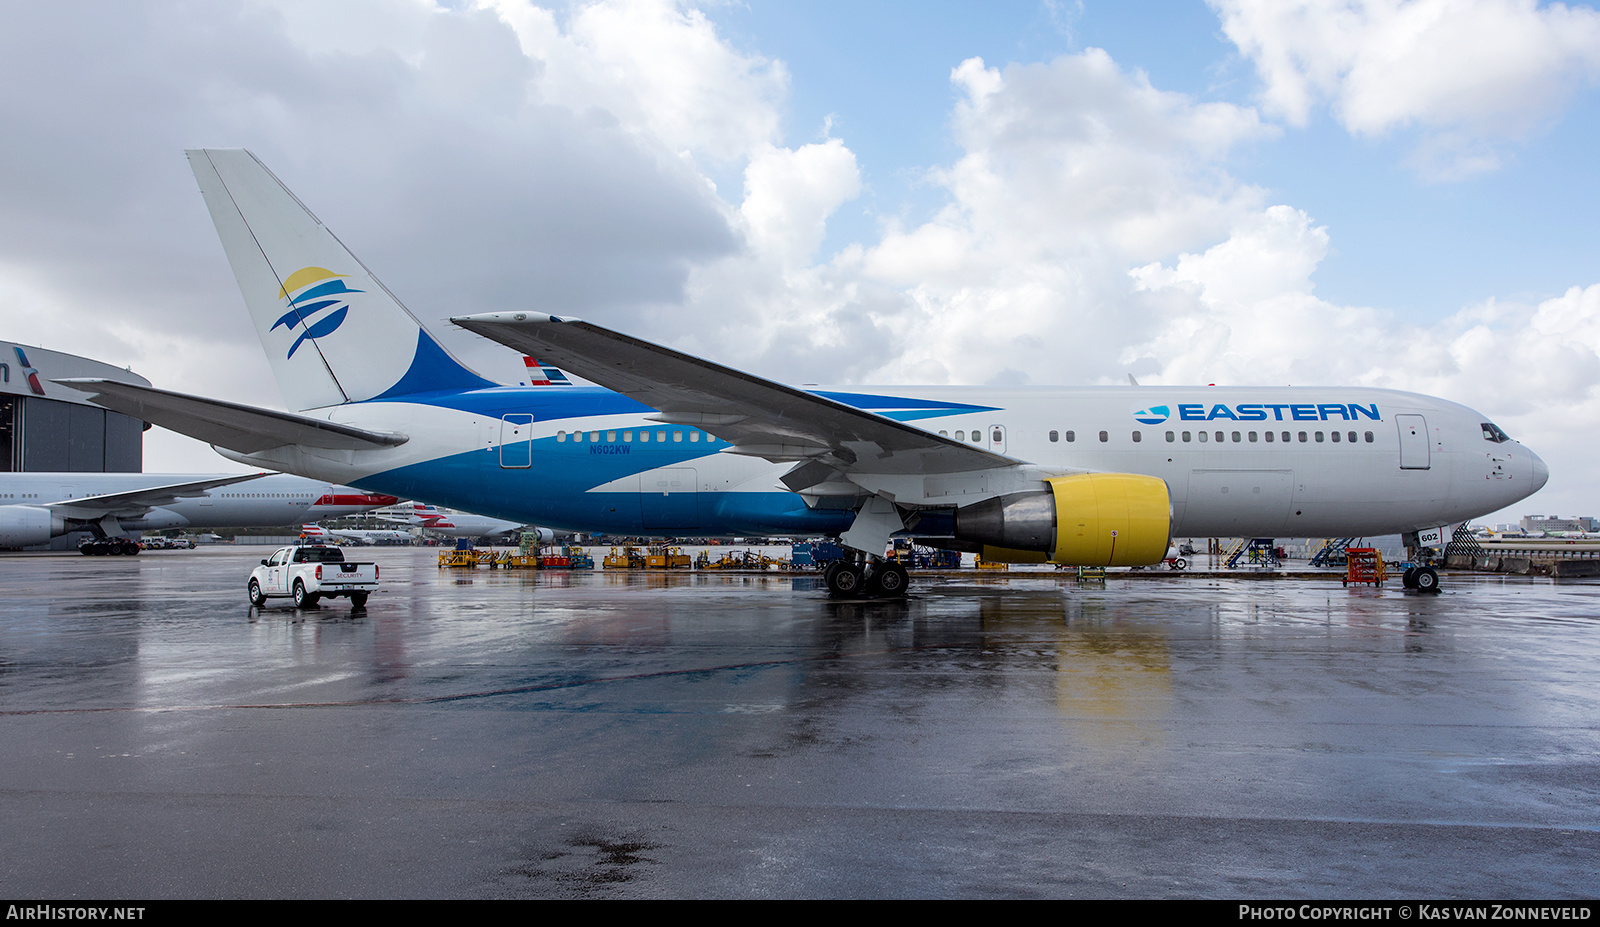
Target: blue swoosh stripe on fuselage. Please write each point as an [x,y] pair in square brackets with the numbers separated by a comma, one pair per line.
[554,493]
[584,401]
[875,402]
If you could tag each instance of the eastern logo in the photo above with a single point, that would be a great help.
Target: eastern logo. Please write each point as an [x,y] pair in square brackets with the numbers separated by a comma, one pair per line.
[1263,412]
[1154,415]
[317,304]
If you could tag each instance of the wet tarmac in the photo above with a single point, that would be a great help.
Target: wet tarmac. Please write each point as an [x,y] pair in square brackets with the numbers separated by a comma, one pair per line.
[510,735]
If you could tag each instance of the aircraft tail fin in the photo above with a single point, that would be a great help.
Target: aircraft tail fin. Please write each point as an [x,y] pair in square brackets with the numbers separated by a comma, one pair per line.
[332,332]
[543,374]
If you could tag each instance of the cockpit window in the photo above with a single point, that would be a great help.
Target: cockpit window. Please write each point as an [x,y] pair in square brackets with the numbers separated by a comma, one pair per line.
[1492,432]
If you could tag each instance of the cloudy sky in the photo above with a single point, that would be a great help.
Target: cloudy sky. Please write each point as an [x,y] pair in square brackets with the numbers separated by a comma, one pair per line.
[1392,194]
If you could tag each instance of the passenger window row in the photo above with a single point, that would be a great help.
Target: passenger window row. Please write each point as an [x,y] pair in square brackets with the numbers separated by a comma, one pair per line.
[1221,437]
[977,435]
[1271,436]
[627,435]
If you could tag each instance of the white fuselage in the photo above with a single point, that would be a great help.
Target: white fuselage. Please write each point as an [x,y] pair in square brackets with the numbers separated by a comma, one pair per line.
[1414,461]
[264,502]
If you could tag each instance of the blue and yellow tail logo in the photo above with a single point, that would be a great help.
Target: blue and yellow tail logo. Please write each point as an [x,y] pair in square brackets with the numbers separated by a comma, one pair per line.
[316,300]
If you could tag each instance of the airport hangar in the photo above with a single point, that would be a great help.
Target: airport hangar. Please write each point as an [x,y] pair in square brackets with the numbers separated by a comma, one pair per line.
[46,427]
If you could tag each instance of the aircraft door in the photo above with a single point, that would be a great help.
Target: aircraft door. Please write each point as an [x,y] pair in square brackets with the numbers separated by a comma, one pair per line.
[1414,443]
[516,441]
[997,438]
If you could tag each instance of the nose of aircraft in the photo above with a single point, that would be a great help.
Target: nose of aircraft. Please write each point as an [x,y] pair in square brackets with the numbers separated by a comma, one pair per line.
[1541,472]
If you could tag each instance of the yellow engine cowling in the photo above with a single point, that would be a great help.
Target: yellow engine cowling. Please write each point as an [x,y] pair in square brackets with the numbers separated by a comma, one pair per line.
[1111,519]
[1088,519]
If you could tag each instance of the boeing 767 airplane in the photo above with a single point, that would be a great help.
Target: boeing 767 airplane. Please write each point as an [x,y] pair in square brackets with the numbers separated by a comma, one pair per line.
[673,445]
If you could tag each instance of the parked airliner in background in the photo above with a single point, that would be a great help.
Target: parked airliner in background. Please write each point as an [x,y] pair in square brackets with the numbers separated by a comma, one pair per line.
[320,535]
[456,524]
[676,445]
[35,507]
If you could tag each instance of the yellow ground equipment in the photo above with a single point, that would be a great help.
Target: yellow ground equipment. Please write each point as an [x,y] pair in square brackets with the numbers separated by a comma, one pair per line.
[740,560]
[661,557]
[625,558]
[467,559]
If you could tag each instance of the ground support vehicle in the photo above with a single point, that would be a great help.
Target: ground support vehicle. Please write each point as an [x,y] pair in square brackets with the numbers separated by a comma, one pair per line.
[915,556]
[310,574]
[625,558]
[815,555]
[1364,565]
[662,557]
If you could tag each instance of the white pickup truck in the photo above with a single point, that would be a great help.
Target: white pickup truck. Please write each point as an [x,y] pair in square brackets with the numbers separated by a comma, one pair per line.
[308,574]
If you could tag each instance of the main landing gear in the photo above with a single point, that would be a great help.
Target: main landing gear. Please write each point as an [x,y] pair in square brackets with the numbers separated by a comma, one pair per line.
[882,579]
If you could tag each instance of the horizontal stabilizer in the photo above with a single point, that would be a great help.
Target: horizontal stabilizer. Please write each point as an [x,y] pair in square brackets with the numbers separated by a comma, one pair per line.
[240,428]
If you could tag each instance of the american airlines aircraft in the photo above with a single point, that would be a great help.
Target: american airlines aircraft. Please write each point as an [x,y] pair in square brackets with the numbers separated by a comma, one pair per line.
[320,535]
[457,524]
[34,507]
[671,444]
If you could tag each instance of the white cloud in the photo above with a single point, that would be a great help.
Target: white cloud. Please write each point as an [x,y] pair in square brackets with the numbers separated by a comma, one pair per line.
[789,195]
[1072,171]
[1468,74]
[658,67]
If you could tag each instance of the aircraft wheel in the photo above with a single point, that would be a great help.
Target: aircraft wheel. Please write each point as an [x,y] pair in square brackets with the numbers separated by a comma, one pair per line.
[828,569]
[256,598]
[1427,580]
[302,598]
[358,601]
[843,579]
[1409,578]
[890,580]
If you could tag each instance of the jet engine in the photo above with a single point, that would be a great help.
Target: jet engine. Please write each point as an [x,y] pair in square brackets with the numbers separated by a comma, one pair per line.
[27,525]
[1087,519]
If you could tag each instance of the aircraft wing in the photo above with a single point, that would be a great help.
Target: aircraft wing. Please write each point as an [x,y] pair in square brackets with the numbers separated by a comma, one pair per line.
[241,428]
[757,416]
[137,501]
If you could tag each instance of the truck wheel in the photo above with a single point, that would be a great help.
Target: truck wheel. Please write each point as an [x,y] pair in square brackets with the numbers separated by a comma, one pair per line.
[1180,564]
[302,598]
[256,598]
[358,601]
